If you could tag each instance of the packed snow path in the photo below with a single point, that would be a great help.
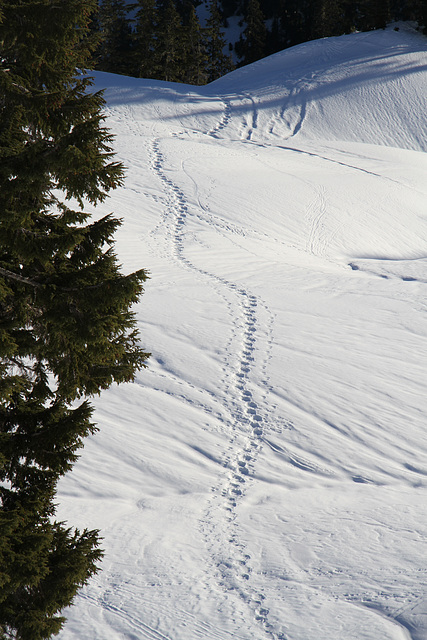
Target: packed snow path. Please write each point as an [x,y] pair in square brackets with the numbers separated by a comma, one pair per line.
[265,478]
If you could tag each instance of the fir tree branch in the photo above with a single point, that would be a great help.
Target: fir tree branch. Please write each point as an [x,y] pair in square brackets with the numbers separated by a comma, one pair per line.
[15,276]
[38,285]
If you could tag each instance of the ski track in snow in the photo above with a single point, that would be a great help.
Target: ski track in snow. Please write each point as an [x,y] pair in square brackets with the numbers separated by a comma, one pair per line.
[144,631]
[196,629]
[316,238]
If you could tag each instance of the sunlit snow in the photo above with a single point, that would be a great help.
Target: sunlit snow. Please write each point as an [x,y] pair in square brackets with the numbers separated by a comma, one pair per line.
[265,477]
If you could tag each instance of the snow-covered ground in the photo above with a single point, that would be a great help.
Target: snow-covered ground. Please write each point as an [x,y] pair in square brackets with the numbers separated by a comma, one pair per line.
[265,477]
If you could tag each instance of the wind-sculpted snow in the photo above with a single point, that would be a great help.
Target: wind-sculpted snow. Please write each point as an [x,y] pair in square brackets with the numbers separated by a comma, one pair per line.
[265,478]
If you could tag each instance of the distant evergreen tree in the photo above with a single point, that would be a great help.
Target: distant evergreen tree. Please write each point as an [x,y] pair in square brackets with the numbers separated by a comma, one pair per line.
[407,10]
[252,44]
[374,14]
[169,51]
[115,51]
[422,15]
[218,63]
[144,49]
[95,33]
[195,58]
[295,22]
[232,7]
[66,328]
[274,42]
[328,19]
[184,8]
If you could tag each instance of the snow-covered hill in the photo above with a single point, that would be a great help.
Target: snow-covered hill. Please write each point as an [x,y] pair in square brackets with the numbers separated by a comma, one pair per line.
[265,478]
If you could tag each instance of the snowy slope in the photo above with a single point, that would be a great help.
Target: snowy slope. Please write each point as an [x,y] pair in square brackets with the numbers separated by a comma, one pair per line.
[265,478]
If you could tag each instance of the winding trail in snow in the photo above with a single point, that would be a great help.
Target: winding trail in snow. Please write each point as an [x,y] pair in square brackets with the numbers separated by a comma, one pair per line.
[224,120]
[247,420]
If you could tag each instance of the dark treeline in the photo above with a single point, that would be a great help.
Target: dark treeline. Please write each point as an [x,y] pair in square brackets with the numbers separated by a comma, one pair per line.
[164,39]
[294,21]
[161,39]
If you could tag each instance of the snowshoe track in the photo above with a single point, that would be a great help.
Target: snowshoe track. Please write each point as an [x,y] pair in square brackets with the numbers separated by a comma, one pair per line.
[247,419]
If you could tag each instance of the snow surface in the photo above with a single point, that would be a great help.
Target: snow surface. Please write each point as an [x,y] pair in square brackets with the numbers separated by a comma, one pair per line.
[265,477]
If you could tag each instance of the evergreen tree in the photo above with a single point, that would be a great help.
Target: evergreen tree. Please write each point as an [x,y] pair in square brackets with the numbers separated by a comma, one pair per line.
[328,19]
[422,15]
[413,10]
[115,51]
[218,62]
[295,23]
[184,8]
[66,326]
[170,51]
[144,49]
[374,14]
[274,40]
[251,46]
[195,56]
